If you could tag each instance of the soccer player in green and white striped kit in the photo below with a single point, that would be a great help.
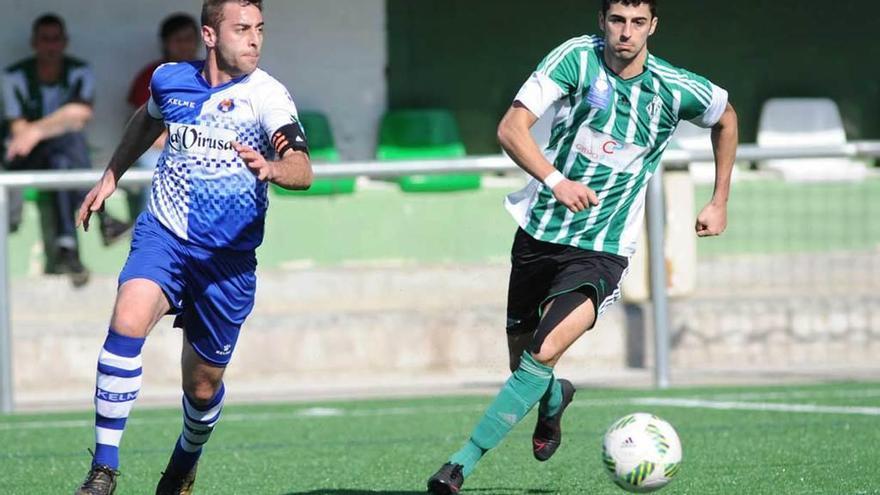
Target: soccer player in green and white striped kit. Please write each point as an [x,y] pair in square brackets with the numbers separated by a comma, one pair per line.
[616,107]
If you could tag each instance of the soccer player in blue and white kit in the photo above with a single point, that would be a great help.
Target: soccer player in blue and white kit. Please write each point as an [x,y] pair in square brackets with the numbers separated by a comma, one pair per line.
[193,251]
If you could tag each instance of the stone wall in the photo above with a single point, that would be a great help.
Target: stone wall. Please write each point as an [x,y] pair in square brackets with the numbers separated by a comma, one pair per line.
[417,329]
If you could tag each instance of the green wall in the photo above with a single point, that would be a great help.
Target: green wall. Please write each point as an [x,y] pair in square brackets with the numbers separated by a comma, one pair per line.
[472,55]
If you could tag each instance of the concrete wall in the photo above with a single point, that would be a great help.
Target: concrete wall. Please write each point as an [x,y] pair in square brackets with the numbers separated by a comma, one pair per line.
[316,332]
[343,332]
[330,54]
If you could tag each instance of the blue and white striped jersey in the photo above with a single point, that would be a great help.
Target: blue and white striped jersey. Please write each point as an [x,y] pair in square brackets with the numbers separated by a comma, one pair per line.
[202,191]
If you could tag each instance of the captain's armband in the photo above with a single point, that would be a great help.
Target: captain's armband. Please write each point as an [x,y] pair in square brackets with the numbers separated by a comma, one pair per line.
[289,137]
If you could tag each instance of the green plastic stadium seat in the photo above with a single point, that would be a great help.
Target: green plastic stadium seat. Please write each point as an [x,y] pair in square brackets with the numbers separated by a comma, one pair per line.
[322,148]
[421,135]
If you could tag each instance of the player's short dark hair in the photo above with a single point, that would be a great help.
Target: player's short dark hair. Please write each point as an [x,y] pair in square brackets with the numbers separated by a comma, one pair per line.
[606,4]
[212,10]
[176,23]
[48,19]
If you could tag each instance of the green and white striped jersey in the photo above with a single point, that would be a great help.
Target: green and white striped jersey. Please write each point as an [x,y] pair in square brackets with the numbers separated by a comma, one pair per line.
[609,134]
[25,97]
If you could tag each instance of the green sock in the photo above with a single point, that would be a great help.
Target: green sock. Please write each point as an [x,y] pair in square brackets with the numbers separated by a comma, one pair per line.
[551,403]
[521,392]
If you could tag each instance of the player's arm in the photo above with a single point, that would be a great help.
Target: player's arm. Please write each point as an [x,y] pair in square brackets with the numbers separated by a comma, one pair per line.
[555,78]
[141,131]
[293,169]
[70,117]
[280,121]
[516,139]
[712,220]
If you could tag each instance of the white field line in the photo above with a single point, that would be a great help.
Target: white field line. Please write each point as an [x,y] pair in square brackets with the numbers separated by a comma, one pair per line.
[297,414]
[684,402]
[756,406]
[867,393]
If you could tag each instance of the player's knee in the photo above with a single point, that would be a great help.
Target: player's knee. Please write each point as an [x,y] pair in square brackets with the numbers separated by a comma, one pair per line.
[548,353]
[201,393]
[129,326]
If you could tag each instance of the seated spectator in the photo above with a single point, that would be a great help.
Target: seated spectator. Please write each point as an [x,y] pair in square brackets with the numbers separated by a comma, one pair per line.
[47,103]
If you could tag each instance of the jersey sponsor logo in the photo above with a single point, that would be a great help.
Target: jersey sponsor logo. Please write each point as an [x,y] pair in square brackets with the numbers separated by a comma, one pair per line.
[177,102]
[226,105]
[604,149]
[611,146]
[201,140]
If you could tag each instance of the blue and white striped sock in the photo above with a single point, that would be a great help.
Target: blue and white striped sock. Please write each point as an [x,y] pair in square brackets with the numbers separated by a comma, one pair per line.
[198,423]
[118,384]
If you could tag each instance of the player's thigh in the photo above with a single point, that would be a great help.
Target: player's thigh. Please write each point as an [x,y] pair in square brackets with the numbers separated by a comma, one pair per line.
[151,282]
[533,268]
[572,326]
[220,295]
[582,291]
[140,304]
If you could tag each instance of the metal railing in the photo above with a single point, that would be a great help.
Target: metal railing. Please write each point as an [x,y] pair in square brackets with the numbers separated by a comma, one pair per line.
[48,180]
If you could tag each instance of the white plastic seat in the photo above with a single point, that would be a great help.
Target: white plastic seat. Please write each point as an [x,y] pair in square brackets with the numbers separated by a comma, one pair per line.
[806,122]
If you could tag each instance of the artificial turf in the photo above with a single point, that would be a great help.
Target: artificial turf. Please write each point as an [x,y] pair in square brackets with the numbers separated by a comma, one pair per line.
[811,439]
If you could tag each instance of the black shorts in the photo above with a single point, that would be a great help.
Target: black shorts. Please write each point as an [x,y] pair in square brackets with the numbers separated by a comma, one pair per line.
[542,270]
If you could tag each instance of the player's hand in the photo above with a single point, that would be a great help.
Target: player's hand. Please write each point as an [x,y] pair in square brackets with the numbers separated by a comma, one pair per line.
[264,170]
[712,220]
[94,201]
[23,142]
[575,196]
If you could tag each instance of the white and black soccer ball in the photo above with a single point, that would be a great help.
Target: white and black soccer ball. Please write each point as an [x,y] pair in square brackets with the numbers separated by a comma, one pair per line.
[641,452]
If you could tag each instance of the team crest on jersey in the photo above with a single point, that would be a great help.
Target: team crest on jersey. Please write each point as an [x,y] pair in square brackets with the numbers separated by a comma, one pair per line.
[655,106]
[226,105]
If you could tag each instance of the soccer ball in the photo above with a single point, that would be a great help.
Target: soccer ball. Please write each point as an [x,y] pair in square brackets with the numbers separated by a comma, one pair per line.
[641,452]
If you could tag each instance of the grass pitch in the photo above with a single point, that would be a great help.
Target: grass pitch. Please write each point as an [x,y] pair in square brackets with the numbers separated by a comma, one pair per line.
[819,439]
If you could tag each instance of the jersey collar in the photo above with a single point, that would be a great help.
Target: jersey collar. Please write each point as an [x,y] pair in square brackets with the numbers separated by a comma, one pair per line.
[204,83]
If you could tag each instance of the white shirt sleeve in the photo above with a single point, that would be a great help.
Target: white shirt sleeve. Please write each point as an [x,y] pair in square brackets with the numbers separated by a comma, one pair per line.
[11,106]
[713,112]
[277,109]
[539,93]
[153,109]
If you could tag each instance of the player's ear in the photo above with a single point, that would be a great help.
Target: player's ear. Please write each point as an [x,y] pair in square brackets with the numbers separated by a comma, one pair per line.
[654,21]
[209,36]
[601,21]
